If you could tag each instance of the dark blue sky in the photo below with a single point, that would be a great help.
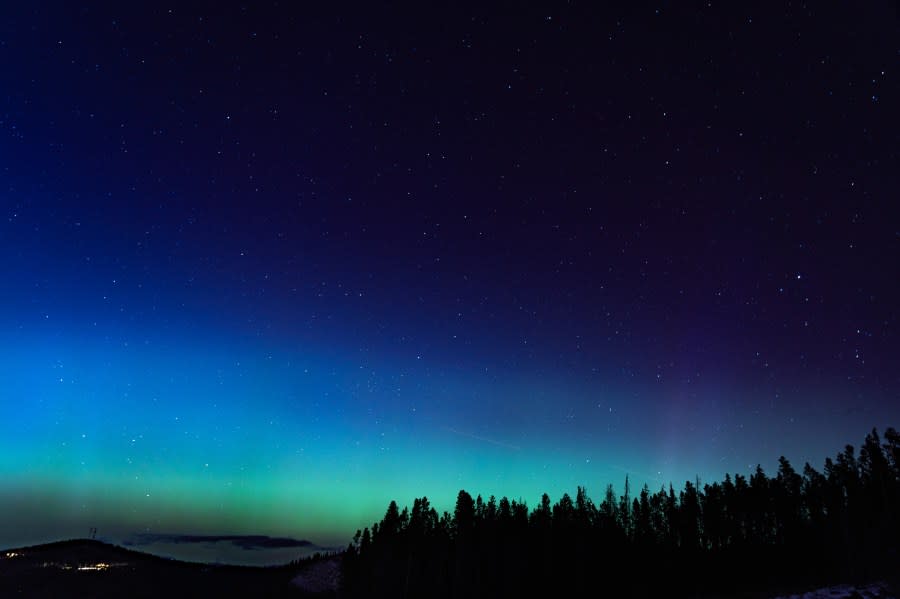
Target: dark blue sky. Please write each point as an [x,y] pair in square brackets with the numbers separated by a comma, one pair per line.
[261,258]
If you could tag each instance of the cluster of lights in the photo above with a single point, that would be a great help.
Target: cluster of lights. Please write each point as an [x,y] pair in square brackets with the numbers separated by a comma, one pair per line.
[12,554]
[99,566]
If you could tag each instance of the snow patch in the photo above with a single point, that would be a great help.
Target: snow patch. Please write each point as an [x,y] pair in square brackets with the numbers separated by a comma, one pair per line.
[876,590]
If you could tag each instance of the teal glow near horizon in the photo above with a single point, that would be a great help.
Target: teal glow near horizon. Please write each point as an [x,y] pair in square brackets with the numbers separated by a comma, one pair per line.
[210,438]
[213,438]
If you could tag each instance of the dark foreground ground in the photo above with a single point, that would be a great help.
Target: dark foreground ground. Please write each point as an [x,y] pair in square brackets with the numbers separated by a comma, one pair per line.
[86,568]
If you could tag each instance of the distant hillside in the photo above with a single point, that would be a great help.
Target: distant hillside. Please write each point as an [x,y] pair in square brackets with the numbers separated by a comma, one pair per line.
[89,568]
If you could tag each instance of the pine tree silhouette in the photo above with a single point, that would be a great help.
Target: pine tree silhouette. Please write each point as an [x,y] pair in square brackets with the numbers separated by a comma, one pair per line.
[794,528]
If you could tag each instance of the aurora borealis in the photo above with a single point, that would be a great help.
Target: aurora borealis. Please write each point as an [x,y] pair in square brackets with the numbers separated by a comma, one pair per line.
[265,270]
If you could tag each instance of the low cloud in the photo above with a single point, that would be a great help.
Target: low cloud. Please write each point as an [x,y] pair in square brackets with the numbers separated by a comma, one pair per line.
[248,542]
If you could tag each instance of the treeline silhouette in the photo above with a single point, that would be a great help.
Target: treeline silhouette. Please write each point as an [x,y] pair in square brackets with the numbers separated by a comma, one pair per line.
[740,534]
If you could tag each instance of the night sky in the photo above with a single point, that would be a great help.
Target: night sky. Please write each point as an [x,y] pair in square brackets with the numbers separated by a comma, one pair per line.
[264,270]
